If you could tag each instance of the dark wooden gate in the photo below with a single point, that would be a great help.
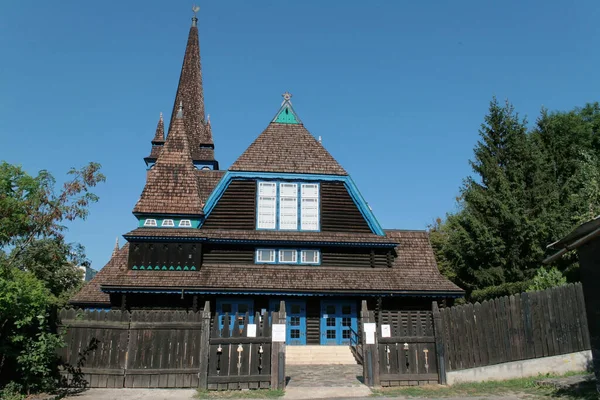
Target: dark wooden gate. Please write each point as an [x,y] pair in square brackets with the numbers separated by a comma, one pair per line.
[141,349]
[403,350]
[241,361]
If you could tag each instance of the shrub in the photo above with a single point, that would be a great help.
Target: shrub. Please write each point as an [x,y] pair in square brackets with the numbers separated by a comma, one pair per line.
[505,289]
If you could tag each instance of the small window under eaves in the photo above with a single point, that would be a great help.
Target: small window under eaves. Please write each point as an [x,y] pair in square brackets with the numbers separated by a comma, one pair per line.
[185,223]
[167,222]
[150,222]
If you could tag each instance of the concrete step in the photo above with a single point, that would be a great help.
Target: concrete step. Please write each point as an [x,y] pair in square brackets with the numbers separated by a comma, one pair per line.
[319,355]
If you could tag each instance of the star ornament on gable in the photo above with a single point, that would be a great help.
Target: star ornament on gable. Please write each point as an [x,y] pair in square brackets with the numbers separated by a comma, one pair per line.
[287,96]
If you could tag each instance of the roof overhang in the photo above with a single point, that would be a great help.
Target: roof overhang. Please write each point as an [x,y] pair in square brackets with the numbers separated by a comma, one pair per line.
[270,292]
[578,237]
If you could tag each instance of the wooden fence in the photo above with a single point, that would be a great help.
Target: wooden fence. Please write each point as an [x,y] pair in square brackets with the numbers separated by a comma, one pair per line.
[243,361]
[172,349]
[402,351]
[520,327]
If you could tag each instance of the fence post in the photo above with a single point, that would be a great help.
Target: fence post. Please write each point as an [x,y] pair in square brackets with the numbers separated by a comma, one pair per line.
[438,331]
[278,352]
[204,346]
[370,353]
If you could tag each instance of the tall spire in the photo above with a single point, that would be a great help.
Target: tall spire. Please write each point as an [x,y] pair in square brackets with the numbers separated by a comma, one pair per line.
[190,92]
[159,135]
[172,184]
[116,248]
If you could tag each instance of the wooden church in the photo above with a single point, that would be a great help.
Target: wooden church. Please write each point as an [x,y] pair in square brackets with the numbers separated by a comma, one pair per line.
[284,222]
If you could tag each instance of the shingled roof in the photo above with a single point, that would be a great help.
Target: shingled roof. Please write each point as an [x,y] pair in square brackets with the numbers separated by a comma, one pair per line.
[414,272]
[287,146]
[90,293]
[172,184]
[190,92]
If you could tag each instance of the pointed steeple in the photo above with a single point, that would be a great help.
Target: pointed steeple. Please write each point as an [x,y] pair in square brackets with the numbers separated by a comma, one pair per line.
[172,184]
[159,135]
[190,92]
[116,248]
[157,142]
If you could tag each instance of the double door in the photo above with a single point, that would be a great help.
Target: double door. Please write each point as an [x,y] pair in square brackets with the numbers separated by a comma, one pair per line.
[295,320]
[233,306]
[338,320]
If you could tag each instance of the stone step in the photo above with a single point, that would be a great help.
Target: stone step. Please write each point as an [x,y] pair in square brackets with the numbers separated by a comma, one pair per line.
[319,355]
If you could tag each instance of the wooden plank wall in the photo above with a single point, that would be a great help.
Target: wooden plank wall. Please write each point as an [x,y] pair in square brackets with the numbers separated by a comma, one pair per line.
[236,209]
[164,349]
[408,357]
[237,361]
[147,349]
[523,326]
[338,211]
[101,337]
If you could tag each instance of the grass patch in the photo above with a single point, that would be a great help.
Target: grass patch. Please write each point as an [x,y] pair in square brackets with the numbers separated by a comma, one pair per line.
[511,386]
[240,394]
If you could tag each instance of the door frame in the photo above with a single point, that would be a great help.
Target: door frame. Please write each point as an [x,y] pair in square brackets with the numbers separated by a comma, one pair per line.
[235,302]
[339,327]
[301,341]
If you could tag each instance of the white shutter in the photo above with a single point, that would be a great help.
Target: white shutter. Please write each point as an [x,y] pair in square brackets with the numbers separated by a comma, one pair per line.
[310,207]
[288,206]
[267,202]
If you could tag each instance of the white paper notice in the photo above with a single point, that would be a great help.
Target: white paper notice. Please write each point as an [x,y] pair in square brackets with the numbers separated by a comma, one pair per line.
[369,327]
[278,333]
[386,331]
[251,330]
[370,337]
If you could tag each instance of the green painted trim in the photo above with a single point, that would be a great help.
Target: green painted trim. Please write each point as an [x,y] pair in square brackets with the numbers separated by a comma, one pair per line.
[286,114]
[142,220]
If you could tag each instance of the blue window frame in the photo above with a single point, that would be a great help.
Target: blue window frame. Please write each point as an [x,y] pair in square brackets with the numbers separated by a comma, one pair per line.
[288,205]
[232,306]
[287,256]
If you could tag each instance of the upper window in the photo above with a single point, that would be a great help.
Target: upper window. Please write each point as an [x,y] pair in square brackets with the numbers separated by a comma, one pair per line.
[265,255]
[310,256]
[288,206]
[150,222]
[288,256]
[185,223]
[167,222]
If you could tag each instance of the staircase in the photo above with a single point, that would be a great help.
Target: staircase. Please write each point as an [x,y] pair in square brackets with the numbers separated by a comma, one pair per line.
[311,355]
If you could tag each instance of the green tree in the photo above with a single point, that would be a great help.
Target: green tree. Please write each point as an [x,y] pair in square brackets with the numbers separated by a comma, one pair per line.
[546,279]
[37,267]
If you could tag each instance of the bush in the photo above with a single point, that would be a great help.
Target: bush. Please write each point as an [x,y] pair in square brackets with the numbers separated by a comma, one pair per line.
[546,279]
[505,289]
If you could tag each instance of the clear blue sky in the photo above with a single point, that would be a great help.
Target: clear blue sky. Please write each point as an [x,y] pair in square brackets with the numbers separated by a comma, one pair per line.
[397,89]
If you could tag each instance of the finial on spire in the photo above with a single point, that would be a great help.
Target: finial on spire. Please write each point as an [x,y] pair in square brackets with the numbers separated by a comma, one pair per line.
[195,9]
[208,119]
[161,116]
[287,96]
[180,110]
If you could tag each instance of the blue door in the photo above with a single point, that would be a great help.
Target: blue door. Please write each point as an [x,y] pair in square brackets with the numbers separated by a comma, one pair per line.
[338,319]
[295,311]
[232,306]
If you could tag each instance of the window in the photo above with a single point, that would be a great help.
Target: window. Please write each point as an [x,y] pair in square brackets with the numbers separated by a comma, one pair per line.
[287,256]
[265,256]
[185,223]
[288,206]
[150,222]
[267,205]
[310,256]
[310,207]
[167,222]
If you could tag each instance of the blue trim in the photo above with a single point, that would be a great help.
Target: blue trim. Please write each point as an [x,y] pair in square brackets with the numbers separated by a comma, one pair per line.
[308,178]
[258,242]
[264,262]
[271,293]
[279,262]
[338,317]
